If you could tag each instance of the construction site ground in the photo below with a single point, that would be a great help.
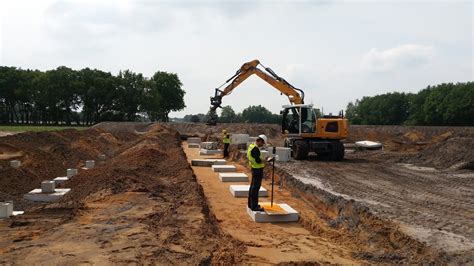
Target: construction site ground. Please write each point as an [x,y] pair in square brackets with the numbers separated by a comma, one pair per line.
[412,202]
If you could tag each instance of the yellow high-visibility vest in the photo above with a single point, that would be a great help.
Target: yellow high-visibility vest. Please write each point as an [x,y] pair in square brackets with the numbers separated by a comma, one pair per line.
[226,139]
[252,161]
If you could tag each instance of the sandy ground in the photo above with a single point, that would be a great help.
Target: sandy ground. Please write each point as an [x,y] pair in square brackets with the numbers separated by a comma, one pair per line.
[7,133]
[437,207]
[265,242]
[109,232]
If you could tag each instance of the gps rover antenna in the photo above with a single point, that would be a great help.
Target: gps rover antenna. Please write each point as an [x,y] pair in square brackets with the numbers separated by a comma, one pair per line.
[273,174]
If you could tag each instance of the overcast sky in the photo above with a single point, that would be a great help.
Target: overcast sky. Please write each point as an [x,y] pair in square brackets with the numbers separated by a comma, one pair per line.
[335,51]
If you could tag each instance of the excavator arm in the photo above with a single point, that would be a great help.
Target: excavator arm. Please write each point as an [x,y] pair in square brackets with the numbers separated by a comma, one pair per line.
[295,95]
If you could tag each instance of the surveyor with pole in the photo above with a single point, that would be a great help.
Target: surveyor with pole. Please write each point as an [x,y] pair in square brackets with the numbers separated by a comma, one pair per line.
[257,164]
[226,141]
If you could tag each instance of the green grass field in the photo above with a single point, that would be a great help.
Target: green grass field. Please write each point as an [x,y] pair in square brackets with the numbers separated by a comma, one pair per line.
[36,128]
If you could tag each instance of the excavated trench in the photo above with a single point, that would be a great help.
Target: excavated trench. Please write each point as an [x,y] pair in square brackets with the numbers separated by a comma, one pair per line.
[173,222]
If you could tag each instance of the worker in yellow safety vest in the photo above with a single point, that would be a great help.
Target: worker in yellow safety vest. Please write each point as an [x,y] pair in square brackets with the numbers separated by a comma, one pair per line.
[226,141]
[257,164]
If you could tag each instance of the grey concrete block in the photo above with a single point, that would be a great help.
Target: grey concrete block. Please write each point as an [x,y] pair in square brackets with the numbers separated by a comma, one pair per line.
[194,140]
[209,145]
[48,186]
[90,164]
[239,138]
[233,177]
[60,179]
[210,152]
[6,209]
[102,157]
[207,162]
[262,217]
[71,172]
[37,195]
[15,163]
[223,168]
[284,153]
[194,145]
[242,191]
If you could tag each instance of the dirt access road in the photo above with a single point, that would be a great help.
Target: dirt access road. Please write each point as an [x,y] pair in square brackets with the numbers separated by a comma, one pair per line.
[435,206]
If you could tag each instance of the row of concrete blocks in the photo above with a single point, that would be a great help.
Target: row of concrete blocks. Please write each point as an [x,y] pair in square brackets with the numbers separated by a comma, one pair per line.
[48,191]
[234,138]
[89,163]
[204,145]
[282,154]
[227,173]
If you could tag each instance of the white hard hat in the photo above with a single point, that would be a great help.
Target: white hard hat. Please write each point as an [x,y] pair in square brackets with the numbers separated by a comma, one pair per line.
[263,137]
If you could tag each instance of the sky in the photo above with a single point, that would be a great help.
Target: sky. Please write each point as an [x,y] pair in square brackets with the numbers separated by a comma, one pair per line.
[336,51]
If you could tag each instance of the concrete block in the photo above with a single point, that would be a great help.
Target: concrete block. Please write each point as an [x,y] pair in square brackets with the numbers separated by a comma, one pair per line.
[207,162]
[90,164]
[209,145]
[284,153]
[252,139]
[60,179]
[368,144]
[291,215]
[194,145]
[6,209]
[194,140]
[102,157]
[38,195]
[48,186]
[233,177]
[210,152]
[71,172]
[242,191]
[223,168]
[15,163]
[239,138]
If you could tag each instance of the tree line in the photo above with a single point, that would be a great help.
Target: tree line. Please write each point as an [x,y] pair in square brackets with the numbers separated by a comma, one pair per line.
[86,96]
[251,114]
[447,104]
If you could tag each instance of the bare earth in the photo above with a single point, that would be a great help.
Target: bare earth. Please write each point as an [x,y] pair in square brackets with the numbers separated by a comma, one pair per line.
[412,202]
[435,206]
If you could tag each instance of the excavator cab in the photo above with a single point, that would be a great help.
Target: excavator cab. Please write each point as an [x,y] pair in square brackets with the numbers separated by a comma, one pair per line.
[298,119]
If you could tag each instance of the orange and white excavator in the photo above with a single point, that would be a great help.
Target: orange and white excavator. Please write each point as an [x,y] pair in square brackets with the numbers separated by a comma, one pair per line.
[304,132]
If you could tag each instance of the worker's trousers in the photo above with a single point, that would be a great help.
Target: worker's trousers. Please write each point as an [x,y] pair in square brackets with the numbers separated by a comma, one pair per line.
[226,150]
[257,175]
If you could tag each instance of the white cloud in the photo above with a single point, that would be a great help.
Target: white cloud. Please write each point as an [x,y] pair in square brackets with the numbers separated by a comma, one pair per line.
[408,55]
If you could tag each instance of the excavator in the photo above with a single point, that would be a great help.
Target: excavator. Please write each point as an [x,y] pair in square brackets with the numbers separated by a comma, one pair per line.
[302,129]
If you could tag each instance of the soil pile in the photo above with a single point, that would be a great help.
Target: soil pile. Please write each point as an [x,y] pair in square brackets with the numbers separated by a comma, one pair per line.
[149,162]
[46,155]
[457,152]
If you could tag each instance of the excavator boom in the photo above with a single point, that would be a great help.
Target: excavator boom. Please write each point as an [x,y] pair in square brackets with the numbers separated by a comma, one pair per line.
[295,95]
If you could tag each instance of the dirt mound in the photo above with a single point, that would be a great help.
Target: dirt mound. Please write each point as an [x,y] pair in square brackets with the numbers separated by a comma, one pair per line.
[457,151]
[440,147]
[46,155]
[203,130]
